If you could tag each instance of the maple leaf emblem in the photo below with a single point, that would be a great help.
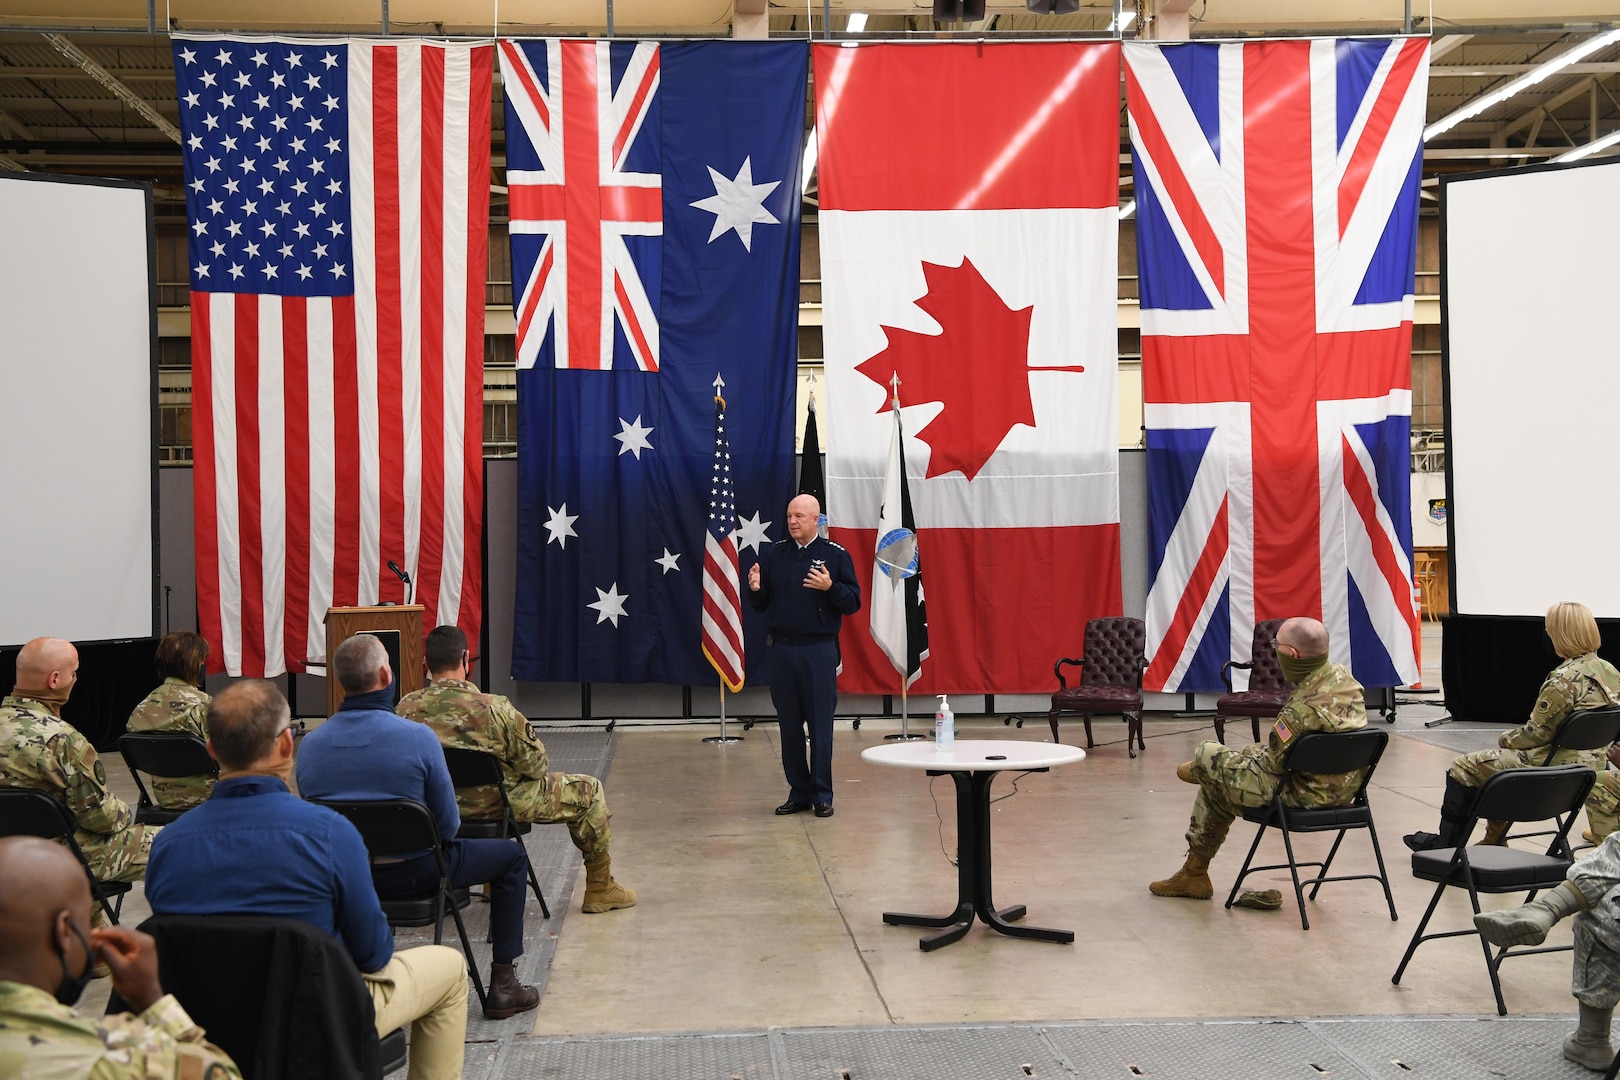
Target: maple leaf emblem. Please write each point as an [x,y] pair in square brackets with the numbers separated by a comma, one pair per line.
[976,366]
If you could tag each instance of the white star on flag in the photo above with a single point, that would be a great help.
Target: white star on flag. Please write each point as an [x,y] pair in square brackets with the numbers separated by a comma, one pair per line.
[561,525]
[669,562]
[751,533]
[610,605]
[737,205]
[633,437]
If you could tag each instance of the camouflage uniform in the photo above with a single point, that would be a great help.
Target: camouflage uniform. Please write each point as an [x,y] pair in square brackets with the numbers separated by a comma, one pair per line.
[176,706]
[1328,699]
[461,716]
[1595,980]
[43,1040]
[1603,805]
[1586,682]
[39,751]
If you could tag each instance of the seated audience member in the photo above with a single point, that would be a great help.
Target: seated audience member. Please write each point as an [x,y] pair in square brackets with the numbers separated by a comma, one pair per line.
[179,705]
[47,949]
[1603,805]
[1583,681]
[366,752]
[40,750]
[463,717]
[256,849]
[1590,892]
[1325,698]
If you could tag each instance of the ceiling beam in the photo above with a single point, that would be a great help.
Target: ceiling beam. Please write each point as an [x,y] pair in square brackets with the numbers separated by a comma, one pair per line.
[14,127]
[1491,71]
[1442,45]
[1558,100]
[57,71]
[118,89]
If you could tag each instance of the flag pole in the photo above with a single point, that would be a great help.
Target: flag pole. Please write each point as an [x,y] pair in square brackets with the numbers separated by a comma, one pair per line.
[904,734]
[723,737]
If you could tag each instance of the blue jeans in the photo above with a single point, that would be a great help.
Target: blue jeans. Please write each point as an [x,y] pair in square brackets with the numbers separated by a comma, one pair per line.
[502,863]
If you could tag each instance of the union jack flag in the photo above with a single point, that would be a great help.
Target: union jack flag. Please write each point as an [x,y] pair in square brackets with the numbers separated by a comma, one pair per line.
[1277,195]
[573,218]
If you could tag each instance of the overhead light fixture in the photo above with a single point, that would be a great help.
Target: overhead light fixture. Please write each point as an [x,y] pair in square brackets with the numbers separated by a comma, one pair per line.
[1053,7]
[1122,23]
[1522,83]
[807,167]
[1590,148]
[959,10]
[857,23]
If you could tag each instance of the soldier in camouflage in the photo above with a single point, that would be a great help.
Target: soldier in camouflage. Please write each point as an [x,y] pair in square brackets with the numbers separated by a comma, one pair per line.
[1325,698]
[39,750]
[1603,805]
[45,958]
[1583,681]
[461,716]
[1591,892]
[178,705]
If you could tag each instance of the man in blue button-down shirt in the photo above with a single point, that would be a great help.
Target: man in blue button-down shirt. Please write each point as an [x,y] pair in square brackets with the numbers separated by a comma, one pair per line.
[366,752]
[255,849]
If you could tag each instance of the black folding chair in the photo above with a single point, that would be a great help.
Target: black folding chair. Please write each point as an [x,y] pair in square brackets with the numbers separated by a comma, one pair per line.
[27,812]
[166,754]
[1588,729]
[1554,791]
[480,768]
[1321,753]
[399,827]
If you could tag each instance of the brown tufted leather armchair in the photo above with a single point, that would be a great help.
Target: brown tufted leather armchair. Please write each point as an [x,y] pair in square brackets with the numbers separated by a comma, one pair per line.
[1268,690]
[1110,678]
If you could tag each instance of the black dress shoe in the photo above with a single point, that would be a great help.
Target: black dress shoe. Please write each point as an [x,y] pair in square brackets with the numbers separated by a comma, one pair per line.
[823,809]
[791,807]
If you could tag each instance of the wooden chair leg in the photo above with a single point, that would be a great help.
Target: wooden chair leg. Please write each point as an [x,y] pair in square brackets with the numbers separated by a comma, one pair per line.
[1085,718]
[1256,721]
[1220,729]
[1051,718]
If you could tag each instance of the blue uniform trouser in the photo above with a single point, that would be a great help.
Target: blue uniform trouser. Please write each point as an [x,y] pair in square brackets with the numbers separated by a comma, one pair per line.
[805,693]
[471,862]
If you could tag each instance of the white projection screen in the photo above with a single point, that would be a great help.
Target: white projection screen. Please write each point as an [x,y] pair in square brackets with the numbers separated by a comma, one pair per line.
[78,407]
[1530,277]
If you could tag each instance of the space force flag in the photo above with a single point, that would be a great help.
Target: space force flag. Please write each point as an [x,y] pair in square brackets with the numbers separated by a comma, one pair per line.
[655,243]
[977,260]
[899,620]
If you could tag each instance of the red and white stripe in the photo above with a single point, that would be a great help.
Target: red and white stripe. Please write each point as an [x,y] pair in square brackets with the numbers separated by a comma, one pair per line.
[722,610]
[332,435]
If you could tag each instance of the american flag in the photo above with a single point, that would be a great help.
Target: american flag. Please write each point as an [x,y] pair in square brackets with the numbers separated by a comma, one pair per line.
[1277,192]
[722,601]
[584,201]
[336,193]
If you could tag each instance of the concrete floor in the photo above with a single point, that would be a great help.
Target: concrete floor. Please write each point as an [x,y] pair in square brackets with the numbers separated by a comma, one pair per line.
[752,923]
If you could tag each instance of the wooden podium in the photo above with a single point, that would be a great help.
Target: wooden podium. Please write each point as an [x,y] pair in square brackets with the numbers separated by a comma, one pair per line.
[403,620]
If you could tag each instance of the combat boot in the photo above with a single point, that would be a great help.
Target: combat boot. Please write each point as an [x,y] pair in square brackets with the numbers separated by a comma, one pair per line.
[1191,881]
[1187,772]
[602,893]
[1600,823]
[1529,923]
[507,996]
[1495,834]
[1588,1046]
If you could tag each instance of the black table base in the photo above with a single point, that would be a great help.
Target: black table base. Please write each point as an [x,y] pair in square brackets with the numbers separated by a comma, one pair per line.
[973,874]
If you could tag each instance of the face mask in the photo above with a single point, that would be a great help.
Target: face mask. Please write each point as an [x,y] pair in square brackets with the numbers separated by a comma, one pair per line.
[72,987]
[1295,668]
[51,699]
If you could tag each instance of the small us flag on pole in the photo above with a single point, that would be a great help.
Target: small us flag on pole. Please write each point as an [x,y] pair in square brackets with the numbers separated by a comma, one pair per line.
[722,602]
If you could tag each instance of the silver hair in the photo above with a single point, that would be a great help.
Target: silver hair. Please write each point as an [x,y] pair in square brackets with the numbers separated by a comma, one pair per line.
[355,662]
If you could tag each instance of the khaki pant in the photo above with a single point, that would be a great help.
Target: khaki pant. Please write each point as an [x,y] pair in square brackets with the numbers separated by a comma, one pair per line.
[425,987]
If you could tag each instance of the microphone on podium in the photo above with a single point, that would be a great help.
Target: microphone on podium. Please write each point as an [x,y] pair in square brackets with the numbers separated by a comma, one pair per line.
[404,578]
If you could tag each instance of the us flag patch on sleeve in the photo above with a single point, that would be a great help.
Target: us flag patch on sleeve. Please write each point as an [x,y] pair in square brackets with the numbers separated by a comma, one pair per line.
[1282,730]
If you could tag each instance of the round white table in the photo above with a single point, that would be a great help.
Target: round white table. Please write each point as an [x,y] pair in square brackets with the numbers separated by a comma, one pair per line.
[972,765]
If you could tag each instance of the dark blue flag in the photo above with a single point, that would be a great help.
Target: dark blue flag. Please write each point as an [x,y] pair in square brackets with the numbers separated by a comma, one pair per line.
[655,245]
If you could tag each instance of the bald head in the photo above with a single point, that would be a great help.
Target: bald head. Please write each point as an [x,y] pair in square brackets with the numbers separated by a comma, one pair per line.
[803,518]
[47,664]
[1308,636]
[39,881]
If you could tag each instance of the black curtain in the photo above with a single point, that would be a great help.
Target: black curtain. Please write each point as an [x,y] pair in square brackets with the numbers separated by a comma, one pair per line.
[113,678]
[1492,666]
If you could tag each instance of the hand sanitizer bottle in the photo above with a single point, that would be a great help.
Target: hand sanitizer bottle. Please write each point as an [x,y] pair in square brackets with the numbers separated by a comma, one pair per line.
[944,727]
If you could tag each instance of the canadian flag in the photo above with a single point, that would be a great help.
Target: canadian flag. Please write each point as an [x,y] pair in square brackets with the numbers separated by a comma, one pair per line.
[974,257]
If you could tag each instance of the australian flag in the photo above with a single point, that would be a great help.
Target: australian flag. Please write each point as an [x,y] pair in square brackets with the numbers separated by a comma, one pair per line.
[655,244]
